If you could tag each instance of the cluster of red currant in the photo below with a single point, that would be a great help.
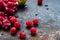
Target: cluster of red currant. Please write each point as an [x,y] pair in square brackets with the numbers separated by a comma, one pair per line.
[8,6]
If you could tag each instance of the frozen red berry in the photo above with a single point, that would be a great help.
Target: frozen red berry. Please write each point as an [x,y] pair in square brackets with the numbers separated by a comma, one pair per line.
[11,11]
[6,21]
[5,5]
[17,25]
[5,1]
[6,17]
[33,30]
[2,14]
[28,23]
[40,2]
[1,5]
[13,19]
[14,8]
[10,17]
[1,18]
[6,10]
[35,21]
[10,4]
[22,35]
[5,25]
[13,30]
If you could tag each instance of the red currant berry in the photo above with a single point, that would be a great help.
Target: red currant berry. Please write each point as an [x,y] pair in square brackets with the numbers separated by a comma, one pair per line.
[11,11]
[17,25]
[5,5]
[33,30]
[40,2]
[35,21]
[28,23]
[22,35]
[10,4]
[13,30]
[6,10]
[1,5]
[2,14]
[13,19]
[6,21]
[5,25]
[1,18]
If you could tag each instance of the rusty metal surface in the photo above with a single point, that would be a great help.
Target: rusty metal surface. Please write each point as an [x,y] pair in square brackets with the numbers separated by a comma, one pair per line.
[49,20]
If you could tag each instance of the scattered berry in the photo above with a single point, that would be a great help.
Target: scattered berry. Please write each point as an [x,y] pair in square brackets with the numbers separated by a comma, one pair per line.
[33,30]
[40,2]
[22,35]
[29,23]
[10,11]
[35,21]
